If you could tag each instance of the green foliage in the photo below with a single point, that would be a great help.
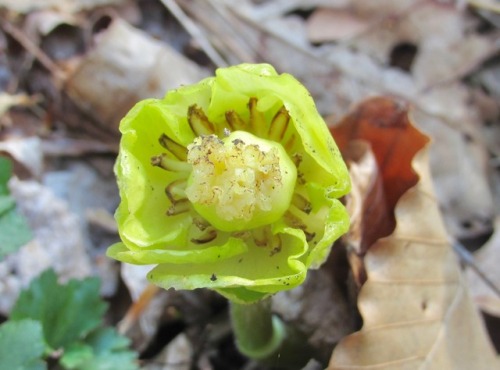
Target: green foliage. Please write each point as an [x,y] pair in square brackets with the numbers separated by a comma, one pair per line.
[14,231]
[21,345]
[67,312]
[69,318]
[103,349]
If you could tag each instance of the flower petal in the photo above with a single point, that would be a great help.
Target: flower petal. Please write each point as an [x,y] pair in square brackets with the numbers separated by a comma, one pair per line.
[232,247]
[256,271]
[141,214]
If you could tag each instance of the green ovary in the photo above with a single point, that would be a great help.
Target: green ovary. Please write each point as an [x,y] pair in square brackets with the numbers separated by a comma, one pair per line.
[240,182]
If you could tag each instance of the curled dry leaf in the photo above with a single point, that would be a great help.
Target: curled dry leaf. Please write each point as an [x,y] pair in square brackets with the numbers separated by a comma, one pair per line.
[26,154]
[126,65]
[367,192]
[26,6]
[416,309]
[461,181]
[334,24]
[487,260]
[379,142]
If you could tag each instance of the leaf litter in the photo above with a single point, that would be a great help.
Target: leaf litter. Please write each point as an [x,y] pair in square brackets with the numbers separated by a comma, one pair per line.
[436,56]
[414,302]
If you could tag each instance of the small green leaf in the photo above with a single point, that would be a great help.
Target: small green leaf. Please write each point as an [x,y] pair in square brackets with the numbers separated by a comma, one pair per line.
[76,355]
[110,351]
[67,312]
[14,231]
[7,203]
[5,174]
[21,345]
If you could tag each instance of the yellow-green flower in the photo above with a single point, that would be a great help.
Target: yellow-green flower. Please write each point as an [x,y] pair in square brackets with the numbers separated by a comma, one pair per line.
[229,184]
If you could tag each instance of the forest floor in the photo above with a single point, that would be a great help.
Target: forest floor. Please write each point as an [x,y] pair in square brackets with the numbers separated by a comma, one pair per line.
[70,70]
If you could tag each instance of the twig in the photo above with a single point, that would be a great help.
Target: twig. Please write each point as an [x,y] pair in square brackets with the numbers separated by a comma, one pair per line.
[487,5]
[467,258]
[33,49]
[63,146]
[195,32]
[221,23]
[137,308]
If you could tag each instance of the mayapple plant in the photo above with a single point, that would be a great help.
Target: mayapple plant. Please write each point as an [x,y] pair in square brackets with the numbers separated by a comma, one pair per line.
[229,184]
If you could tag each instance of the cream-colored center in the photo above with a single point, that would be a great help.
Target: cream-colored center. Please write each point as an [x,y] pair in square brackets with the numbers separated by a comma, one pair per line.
[239,182]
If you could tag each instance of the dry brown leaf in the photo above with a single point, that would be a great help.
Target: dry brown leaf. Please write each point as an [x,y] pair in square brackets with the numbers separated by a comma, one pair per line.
[318,309]
[8,101]
[460,171]
[487,259]
[366,193]
[446,49]
[416,309]
[26,6]
[26,154]
[490,5]
[384,124]
[334,24]
[177,355]
[127,65]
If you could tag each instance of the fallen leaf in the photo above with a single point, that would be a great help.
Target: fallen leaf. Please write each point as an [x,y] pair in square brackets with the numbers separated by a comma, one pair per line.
[318,309]
[490,5]
[27,155]
[334,24]
[8,101]
[384,124]
[177,355]
[26,6]
[416,309]
[127,65]
[460,170]
[143,318]
[487,260]
[365,203]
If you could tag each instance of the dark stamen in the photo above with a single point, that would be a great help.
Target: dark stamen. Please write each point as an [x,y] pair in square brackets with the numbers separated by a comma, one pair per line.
[206,237]
[200,223]
[301,203]
[297,223]
[297,159]
[176,190]
[261,236]
[169,164]
[279,124]
[300,178]
[290,143]
[276,245]
[179,151]
[294,221]
[242,234]
[199,121]
[234,121]
[180,206]
[309,236]
[257,120]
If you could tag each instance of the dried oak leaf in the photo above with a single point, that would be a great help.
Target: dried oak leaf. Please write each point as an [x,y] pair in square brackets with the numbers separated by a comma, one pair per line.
[378,129]
[416,309]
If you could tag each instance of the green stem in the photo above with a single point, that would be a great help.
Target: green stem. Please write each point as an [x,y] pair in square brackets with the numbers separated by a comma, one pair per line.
[262,336]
